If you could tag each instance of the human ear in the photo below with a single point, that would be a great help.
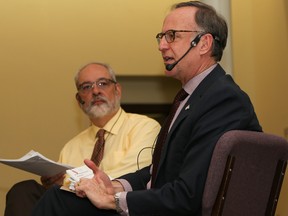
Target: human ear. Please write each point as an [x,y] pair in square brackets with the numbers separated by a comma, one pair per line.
[118,89]
[79,99]
[206,43]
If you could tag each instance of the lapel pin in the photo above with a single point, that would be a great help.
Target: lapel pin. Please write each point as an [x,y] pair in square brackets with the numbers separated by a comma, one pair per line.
[187,107]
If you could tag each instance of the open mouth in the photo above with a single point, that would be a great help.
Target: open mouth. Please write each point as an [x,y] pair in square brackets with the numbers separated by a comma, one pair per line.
[168,60]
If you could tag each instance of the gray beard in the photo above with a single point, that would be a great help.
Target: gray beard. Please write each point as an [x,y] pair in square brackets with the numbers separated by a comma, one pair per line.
[99,111]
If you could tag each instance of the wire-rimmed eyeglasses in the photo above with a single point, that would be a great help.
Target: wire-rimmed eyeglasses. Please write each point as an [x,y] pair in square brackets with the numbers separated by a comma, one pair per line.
[102,83]
[170,35]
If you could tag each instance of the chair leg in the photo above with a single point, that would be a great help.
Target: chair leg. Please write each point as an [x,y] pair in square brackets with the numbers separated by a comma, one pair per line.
[220,200]
[276,188]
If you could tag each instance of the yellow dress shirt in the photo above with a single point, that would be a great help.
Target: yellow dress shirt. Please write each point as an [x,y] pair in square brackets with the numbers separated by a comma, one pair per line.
[129,139]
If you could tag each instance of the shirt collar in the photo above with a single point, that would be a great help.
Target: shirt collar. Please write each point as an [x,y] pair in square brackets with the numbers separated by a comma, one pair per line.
[192,84]
[113,125]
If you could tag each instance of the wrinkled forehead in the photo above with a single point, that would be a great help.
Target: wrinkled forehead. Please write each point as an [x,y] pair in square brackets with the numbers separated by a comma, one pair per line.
[180,18]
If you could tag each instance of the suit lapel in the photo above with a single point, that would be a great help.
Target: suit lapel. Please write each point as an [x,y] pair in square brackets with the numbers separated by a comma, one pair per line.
[189,107]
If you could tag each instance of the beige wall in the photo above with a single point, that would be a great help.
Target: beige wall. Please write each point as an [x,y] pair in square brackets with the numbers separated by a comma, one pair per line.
[43,43]
[260,44]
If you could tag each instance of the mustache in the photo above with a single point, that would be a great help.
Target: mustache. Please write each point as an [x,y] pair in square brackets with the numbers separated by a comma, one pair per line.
[97,98]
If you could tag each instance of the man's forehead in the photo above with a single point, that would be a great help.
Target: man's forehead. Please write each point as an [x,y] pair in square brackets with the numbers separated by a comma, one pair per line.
[180,18]
[94,72]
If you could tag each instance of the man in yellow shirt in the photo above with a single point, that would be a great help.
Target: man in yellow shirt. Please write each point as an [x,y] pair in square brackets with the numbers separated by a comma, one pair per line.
[128,137]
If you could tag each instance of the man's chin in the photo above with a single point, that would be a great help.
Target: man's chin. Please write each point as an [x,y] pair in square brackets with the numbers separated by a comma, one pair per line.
[97,112]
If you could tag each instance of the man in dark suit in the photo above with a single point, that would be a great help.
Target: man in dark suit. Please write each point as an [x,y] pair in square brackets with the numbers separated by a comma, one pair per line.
[192,41]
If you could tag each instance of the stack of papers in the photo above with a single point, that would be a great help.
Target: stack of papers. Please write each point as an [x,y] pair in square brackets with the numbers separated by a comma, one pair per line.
[74,175]
[36,163]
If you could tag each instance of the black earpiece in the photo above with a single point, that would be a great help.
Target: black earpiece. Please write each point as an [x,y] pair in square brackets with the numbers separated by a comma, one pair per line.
[79,99]
[196,40]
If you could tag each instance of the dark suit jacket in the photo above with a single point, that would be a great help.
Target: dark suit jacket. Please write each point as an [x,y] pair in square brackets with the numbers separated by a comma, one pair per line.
[216,106]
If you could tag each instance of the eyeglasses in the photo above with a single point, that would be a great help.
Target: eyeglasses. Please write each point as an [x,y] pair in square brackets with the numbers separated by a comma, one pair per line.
[102,83]
[170,35]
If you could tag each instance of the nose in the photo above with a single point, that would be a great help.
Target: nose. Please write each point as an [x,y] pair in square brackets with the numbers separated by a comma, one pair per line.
[163,44]
[95,89]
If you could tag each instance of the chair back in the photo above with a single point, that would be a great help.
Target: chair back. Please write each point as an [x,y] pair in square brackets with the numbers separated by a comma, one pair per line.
[245,174]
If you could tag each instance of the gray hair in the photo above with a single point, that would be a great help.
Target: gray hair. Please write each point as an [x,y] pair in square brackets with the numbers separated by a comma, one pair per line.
[107,66]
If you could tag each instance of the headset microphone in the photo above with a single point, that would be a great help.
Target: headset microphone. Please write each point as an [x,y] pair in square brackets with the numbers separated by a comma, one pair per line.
[79,99]
[169,67]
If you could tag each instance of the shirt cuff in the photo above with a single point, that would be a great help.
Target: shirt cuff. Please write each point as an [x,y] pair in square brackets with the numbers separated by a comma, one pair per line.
[126,185]
[123,204]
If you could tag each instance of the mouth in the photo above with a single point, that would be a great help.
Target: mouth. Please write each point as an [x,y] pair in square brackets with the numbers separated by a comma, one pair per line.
[168,60]
[98,101]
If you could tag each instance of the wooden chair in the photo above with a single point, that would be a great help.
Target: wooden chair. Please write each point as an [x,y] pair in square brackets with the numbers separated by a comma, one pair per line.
[245,174]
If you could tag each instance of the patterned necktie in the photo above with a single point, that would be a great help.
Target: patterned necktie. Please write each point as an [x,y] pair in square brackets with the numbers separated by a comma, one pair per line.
[99,147]
[181,95]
